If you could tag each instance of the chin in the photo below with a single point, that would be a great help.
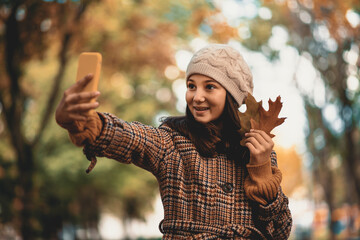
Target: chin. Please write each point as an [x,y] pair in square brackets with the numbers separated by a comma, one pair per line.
[203,121]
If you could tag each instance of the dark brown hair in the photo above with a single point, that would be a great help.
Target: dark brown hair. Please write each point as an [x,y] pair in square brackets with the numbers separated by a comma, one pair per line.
[209,139]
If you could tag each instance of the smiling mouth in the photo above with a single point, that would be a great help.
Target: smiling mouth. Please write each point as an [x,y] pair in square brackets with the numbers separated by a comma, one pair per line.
[201,108]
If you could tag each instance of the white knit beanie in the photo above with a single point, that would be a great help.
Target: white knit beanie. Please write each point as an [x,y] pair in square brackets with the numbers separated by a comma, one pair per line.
[225,65]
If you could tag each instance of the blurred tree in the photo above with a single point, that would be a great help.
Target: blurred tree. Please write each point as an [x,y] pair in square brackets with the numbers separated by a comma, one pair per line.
[292,169]
[42,189]
[23,38]
[326,34]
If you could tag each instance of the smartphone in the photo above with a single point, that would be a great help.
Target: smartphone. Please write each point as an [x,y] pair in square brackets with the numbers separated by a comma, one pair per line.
[89,62]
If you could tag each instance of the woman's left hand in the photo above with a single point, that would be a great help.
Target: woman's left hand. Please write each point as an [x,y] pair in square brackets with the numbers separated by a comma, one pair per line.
[260,145]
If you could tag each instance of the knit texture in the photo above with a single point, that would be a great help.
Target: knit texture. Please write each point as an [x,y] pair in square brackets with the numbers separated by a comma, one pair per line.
[225,65]
[203,198]
[263,182]
[81,132]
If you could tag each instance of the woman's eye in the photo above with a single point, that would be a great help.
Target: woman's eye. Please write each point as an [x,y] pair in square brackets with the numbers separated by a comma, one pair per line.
[191,86]
[210,87]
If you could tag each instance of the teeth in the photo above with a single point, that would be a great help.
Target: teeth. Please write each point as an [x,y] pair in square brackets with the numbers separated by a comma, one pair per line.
[201,108]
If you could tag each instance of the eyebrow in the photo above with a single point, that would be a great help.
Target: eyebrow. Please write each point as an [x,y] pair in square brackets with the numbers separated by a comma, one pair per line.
[206,81]
[211,81]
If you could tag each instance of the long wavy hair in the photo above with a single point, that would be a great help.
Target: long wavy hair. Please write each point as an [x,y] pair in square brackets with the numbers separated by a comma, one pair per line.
[210,139]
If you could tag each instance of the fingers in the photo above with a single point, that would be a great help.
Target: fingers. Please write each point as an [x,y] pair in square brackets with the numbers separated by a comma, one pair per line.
[260,146]
[259,135]
[82,107]
[250,146]
[80,112]
[81,84]
[252,142]
[81,97]
[258,140]
[76,106]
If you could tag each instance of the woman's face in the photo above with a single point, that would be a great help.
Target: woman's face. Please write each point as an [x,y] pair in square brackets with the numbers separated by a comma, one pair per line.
[205,98]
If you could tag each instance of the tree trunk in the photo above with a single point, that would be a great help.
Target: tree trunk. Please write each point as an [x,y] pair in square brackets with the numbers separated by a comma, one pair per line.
[327,182]
[13,111]
[322,171]
[26,185]
[351,163]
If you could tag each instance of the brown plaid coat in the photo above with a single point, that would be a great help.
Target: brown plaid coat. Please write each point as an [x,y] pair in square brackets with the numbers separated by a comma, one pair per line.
[203,198]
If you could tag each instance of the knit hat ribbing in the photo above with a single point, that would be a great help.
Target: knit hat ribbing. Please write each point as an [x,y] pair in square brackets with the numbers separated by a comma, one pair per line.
[225,65]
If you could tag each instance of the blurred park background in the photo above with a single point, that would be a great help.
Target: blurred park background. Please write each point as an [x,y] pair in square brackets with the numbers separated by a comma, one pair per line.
[306,51]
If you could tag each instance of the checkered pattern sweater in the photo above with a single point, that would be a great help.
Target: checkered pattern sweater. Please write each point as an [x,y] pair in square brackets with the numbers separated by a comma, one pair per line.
[203,198]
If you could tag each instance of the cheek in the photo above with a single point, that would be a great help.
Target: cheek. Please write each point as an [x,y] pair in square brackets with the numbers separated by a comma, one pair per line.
[221,103]
[220,108]
[221,97]
[188,97]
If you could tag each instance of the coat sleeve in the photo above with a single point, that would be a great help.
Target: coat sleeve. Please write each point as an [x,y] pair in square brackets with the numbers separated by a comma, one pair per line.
[275,215]
[142,145]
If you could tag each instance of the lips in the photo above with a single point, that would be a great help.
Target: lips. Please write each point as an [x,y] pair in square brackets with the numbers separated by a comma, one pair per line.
[201,108]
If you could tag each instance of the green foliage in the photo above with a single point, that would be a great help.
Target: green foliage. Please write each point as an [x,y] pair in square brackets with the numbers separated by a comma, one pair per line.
[321,33]
[43,185]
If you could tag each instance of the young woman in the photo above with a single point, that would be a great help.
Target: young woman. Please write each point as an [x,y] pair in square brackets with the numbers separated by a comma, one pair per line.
[211,187]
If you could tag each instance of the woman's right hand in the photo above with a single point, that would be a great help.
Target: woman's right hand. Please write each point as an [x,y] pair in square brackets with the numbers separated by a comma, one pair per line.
[75,105]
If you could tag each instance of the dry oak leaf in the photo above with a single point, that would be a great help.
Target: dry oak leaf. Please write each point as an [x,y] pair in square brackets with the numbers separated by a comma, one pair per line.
[252,112]
[256,117]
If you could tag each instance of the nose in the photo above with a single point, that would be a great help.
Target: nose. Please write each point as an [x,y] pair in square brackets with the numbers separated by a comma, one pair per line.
[199,96]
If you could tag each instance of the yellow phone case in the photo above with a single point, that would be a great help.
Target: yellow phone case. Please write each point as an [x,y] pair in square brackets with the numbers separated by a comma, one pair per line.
[89,62]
